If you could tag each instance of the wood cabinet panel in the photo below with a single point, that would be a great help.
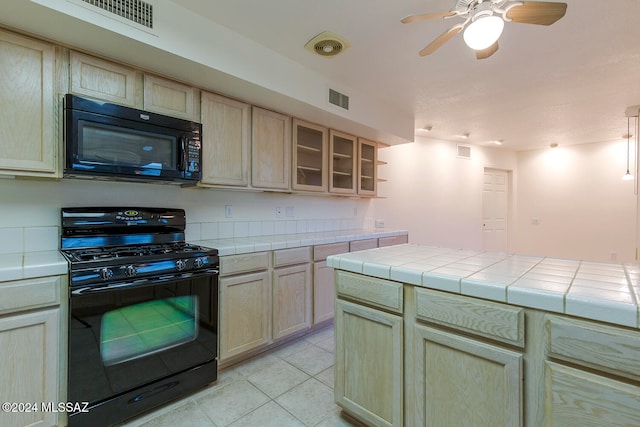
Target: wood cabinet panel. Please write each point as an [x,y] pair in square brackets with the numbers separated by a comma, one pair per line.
[29,294]
[168,97]
[361,245]
[310,156]
[343,168]
[464,382]
[393,240]
[243,263]
[367,167]
[291,300]
[488,319]
[321,252]
[28,109]
[29,365]
[369,364]
[291,256]
[97,78]
[225,140]
[244,313]
[610,349]
[381,293]
[270,149]
[323,292]
[576,398]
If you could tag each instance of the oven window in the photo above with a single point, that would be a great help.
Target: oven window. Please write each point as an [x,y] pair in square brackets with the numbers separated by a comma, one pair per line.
[111,145]
[142,329]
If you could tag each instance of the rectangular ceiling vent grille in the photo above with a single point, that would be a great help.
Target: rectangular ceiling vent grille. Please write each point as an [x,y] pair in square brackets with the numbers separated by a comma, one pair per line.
[136,11]
[339,99]
[464,152]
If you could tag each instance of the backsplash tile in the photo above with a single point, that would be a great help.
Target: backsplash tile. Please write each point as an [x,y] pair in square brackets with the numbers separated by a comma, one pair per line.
[11,240]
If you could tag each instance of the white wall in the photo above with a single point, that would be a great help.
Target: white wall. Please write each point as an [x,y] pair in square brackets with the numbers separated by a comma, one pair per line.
[583,207]
[434,194]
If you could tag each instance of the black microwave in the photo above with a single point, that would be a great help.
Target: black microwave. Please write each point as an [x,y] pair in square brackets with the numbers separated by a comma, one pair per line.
[111,141]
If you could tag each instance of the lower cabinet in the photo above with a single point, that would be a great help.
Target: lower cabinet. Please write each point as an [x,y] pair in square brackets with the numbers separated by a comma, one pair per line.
[369,364]
[463,382]
[592,374]
[33,354]
[583,399]
[245,311]
[291,299]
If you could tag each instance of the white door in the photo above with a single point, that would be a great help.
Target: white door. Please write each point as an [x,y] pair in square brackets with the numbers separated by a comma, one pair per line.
[495,210]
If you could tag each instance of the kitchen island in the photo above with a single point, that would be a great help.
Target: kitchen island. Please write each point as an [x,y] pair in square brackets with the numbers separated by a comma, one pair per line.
[436,336]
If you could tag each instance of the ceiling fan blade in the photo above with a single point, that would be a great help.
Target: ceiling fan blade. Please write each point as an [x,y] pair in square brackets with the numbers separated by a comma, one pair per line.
[485,53]
[441,39]
[535,12]
[426,16]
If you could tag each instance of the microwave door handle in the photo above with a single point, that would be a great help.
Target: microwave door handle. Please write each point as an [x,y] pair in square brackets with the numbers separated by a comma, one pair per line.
[181,154]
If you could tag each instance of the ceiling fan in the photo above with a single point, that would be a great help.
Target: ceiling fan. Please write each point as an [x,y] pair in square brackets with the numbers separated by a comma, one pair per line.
[486,20]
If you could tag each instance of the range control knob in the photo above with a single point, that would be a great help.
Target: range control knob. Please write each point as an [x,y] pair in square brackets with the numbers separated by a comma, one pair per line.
[200,262]
[181,264]
[106,273]
[130,271]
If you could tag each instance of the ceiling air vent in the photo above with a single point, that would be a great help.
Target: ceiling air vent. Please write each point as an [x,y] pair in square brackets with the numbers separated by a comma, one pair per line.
[136,11]
[339,99]
[464,152]
[327,44]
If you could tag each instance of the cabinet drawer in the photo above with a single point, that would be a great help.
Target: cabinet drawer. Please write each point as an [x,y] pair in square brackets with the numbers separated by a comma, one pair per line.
[488,319]
[30,293]
[611,349]
[291,256]
[321,252]
[392,240]
[235,264]
[377,292]
[361,245]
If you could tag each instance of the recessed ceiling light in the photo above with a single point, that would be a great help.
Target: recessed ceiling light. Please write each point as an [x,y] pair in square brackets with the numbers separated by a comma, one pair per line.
[464,135]
[424,129]
[554,145]
[498,141]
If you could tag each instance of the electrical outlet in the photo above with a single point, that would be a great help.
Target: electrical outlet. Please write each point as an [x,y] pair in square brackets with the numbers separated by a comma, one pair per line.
[227,211]
[278,212]
[379,223]
[291,212]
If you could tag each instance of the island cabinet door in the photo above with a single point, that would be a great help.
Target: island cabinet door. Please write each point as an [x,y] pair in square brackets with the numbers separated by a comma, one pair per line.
[577,398]
[369,364]
[464,382]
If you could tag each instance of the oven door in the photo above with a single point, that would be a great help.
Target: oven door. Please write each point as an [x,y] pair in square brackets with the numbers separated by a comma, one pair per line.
[128,342]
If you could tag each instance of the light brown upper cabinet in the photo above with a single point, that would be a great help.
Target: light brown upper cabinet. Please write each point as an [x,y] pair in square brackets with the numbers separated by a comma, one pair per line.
[225,140]
[270,150]
[367,167]
[97,78]
[171,98]
[310,150]
[28,108]
[342,162]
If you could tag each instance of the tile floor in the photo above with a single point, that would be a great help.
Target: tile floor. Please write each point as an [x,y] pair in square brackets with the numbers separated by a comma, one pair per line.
[289,386]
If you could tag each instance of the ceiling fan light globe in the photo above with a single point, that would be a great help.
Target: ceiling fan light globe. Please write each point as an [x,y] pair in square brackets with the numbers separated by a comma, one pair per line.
[483,32]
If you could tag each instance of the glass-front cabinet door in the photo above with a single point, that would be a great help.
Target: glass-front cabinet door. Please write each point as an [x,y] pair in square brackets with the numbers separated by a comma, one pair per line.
[309,156]
[367,167]
[342,163]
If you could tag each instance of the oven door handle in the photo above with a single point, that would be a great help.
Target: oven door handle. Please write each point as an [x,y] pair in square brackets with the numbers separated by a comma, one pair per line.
[141,283]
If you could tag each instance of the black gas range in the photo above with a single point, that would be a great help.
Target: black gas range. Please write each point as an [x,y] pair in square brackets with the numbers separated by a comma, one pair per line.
[142,311]
[107,245]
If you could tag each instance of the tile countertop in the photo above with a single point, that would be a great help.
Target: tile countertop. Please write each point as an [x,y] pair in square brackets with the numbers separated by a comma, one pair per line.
[28,265]
[606,292]
[17,266]
[243,245]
